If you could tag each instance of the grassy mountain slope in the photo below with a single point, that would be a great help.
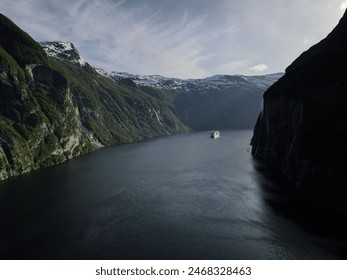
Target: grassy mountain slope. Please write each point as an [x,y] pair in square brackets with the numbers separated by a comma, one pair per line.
[51,110]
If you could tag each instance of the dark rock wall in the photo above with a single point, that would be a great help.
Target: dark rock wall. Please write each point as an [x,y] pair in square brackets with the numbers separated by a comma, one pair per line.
[301,129]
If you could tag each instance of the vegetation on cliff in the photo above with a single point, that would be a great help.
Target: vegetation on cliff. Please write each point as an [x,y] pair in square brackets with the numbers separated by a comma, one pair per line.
[52,110]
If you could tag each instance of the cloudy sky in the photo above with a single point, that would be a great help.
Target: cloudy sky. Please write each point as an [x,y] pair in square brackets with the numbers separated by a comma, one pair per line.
[181,38]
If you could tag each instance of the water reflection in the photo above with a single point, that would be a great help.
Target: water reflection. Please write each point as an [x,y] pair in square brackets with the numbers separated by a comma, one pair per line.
[180,197]
[281,197]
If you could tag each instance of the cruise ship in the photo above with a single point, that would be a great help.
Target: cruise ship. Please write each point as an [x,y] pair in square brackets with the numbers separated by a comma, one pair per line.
[215,134]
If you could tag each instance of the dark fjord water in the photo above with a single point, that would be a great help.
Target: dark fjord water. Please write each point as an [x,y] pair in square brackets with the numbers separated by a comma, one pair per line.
[179,197]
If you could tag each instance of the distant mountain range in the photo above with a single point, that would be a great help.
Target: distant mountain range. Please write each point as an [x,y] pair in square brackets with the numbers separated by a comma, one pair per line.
[66,51]
[218,102]
[55,105]
[216,83]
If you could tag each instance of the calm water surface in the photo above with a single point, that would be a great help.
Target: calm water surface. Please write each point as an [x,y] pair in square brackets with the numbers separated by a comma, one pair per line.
[179,197]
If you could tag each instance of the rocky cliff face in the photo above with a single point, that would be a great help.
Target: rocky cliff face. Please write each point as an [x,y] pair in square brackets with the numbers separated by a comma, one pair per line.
[52,109]
[304,119]
[39,125]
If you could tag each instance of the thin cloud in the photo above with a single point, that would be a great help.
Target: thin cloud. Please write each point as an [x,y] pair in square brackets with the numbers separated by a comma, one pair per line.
[259,68]
[236,66]
[182,38]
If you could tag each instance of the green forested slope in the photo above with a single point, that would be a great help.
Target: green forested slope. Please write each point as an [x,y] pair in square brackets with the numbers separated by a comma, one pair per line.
[51,110]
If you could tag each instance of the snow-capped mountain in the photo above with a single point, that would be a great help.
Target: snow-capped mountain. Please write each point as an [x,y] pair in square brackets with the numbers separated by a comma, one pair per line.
[67,51]
[264,81]
[64,51]
[149,80]
[217,102]
[217,82]
[220,101]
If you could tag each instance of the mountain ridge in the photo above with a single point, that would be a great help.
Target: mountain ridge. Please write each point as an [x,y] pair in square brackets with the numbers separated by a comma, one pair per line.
[66,50]
[217,102]
[262,81]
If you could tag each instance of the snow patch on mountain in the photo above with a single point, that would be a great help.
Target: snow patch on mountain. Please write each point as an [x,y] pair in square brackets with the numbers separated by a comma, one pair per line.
[217,82]
[148,80]
[101,71]
[264,81]
[64,51]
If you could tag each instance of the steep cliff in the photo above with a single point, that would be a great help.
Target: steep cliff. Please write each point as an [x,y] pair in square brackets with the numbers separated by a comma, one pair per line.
[54,109]
[301,129]
[39,125]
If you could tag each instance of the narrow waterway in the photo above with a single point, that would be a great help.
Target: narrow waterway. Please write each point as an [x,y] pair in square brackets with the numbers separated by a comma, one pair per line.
[179,197]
